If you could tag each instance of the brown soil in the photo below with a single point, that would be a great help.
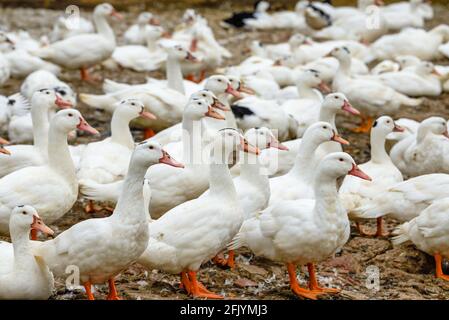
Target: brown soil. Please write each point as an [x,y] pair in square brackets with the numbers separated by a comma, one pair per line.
[405,273]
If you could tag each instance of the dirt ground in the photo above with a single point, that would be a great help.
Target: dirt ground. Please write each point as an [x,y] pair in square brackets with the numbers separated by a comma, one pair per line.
[405,273]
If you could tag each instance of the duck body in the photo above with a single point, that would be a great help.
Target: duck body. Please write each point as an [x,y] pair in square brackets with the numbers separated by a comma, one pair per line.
[22,63]
[5,71]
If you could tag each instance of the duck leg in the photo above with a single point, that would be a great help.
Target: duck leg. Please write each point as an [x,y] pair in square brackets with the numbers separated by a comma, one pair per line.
[438,267]
[91,207]
[198,290]
[365,125]
[294,285]
[185,282]
[88,287]
[220,260]
[112,290]
[148,133]
[379,232]
[313,282]
[86,76]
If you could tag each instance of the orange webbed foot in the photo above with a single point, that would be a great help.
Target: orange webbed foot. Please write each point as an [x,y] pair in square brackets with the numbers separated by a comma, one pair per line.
[198,290]
[112,291]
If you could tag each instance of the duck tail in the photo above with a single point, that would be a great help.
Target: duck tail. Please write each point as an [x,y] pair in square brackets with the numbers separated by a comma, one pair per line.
[411,102]
[108,192]
[370,211]
[401,234]
[45,52]
[113,86]
[237,242]
[104,102]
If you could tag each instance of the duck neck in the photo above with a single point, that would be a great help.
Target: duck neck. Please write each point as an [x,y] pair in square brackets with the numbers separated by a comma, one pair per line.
[40,122]
[326,195]
[59,155]
[421,134]
[103,28]
[220,179]
[191,141]
[304,159]
[306,92]
[344,67]
[120,132]
[250,168]
[151,44]
[130,204]
[174,74]
[327,115]
[378,152]
[22,250]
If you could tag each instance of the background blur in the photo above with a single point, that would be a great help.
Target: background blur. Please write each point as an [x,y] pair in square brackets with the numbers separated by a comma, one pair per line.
[121,4]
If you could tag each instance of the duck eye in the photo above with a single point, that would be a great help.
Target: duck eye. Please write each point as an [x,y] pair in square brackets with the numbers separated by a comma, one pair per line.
[219,80]
[335,97]
[24,212]
[48,92]
[70,115]
[133,104]
[324,127]
[341,159]
[151,147]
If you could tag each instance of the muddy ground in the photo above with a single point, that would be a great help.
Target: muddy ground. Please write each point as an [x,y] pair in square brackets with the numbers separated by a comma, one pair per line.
[405,273]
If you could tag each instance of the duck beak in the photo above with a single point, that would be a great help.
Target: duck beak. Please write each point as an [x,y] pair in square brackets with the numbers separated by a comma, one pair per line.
[274,143]
[39,225]
[4,151]
[379,2]
[308,42]
[398,128]
[355,171]
[166,35]
[349,108]
[436,73]
[233,92]
[446,134]
[84,126]
[329,55]
[61,103]
[337,138]
[214,114]
[277,63]
[190,57]
[249,148]
[166,159]
[247,90]
[154,21]
[147,115]
[323,87]
[217,104]
[116,15]
[3,141]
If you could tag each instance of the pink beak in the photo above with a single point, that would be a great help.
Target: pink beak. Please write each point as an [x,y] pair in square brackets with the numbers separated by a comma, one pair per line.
[117,15]
[349,108]
[398,128]
[274,143]
[249,148]
[214,114]
[84,126]
[339,139]
[169,160]
[39,225]
[234,92]
[61,103]
[355,171]
[147,115]
[3,141]
[217,104]
[324,87]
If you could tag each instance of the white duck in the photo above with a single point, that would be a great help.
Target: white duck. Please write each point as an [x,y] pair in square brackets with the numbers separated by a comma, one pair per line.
[170,186]
[400,19]
[115,241]
[52,188]
[424,81]
[424,7]
[369,95]
[406,200]
[297,182]
[21,63]
[429,233]
[355,193]
[305,231]
[107,160]
[84,50]
[180,240]
[66,27]
[36,154]
[424,152]
[135,34]
[139,57]
[22,275]
[411,41]
[5,69]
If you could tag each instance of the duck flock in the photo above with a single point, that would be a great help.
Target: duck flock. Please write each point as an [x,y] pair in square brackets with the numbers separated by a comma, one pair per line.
[257,150]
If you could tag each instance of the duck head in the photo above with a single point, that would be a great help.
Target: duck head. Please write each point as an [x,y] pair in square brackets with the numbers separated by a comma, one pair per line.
[321,132]
[70,119]
[339,164]
[148,153]
[435,125]
[210,98]
[198,108]
[220,84]
[385,125]
[180,53]
[228,141]
[49,99]
[338,101]
[105,10]
[238,85]
[133,108]
[147,18]
[25,218]
[311,78]
[263,138]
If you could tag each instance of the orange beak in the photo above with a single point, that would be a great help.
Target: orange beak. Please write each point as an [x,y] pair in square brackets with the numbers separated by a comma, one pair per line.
[217,104]
[214,114]
[84,126]
[116,15]
[61,103]
[398,128]
[349,108]
[233,92]
[3,141]
[249,147]
[274,143]
[436,73]
[355,171]
[323,87]
[147,115]
[39,225]
[169,160]
[4,151]
[339,139]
